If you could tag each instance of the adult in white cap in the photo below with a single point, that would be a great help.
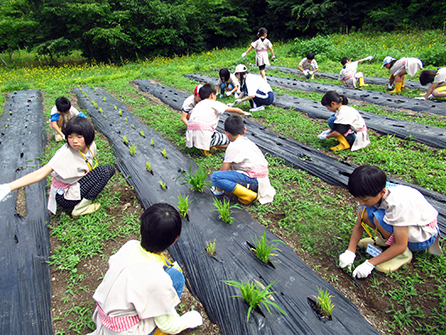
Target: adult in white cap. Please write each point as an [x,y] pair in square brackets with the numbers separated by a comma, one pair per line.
[399,68]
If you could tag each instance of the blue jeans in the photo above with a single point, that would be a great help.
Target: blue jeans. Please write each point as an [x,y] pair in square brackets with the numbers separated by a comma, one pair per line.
[373,212]
[350,137]
[223,88]
[226,180]
[266,100]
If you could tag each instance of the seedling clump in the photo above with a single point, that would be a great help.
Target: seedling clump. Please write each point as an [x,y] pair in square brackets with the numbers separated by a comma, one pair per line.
[132,149]
[224,208]
[263,249]
[163,185]
[254,295]
[195,181]
[120,112]
[105,99]
[125,140]
[210,248]
[151,142]
[142,133]
[149,167]
[164,153]
[183,205]
[94,104]
[323,301]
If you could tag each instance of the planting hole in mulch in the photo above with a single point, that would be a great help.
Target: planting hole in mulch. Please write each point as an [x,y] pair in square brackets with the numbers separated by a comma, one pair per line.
[317,310]
[252,248]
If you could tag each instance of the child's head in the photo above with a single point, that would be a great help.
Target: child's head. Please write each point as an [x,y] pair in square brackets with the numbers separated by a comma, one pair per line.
[206,90]
[388,62]
[81,126]
[160,227]
[367,182]
[310,56]
[345,60]
[234,125]
[262,32]
[197,93]
[427,76]
[63,105]
[333,100]
[240,71]
[224,74]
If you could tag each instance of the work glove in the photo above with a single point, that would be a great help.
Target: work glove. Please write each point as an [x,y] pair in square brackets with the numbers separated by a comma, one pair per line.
[192,319]
[243,54]
[346,259]
[247,114]
[236,95]
[228,93]
[4,191]
[273,57]
[364,270]
[221,96]
[368,58]
[323,135]
[231,104]
[389,86]
[311,72]
[237,101]
[306,72]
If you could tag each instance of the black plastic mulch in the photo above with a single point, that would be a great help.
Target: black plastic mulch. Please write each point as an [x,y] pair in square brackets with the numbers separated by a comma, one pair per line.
[295,281]
[411,84]
[433,136]
[296,154]
[25,286]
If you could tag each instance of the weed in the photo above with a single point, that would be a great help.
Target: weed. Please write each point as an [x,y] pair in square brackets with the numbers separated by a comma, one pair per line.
[210,248]
[195,181]
[263,249]
[183,205]
[224,208]
[323,300]
[132,149]
[254,295]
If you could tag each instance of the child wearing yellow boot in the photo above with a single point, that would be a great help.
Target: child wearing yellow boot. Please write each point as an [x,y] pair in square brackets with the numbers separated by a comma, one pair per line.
[248,179]
[346,124]
[348,74]
[401,215]
[399,68]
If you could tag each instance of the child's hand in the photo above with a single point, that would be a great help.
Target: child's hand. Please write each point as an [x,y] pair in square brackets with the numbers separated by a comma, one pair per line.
[346,259]
[247,114]
[192,319]
[364,270]
[4,191]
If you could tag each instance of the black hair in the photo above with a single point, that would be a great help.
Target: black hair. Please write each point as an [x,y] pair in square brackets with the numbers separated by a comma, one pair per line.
[332,96]
[427,76]
[366,181]
[234,125]
[344,60]
[262,31]
[81,126]
[392,63]
[310,55]
[224,73]
[206,90]
[160,227]
[63,105]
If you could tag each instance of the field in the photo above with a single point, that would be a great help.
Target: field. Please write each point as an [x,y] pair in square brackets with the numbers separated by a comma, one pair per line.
[313,217]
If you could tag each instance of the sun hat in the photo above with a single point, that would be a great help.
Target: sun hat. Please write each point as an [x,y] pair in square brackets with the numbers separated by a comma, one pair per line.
[197,89]
[240,68]
[387,60]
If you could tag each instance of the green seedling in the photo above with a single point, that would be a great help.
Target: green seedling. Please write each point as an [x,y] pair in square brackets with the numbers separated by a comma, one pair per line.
[125,119]
[152,143]
[116,108]
[105,116]
[132,149]
[225,210]
[149,167]
[133,126]
[120,112]
[254,295]
[125,140]
[323,301]
[105,99]
[94,104]
[183,205]
[263,249]
[164,153]
[100,110]
[195,181]
[210,248]
[94,90]
[163,185]
[142,133]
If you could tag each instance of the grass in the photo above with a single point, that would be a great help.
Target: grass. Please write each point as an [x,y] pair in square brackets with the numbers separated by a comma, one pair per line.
[323,300]
[196,181]
[210,248]
[225,209]
[318,215]
[183,205]
[263,249]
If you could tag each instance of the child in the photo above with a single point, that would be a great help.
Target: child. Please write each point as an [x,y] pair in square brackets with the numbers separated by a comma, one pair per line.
[60,115]
[204,118]
[348,74]
[403,217]
[254,89]
[261,45]
[399,68]
[245,170]
[140,290]
[77,180]
[189,104]
[346,125]
[438,80]
[308,66]
[228,81]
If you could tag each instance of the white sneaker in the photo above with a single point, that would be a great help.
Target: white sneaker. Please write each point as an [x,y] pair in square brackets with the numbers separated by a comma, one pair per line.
[430,97]
[215,192]
[256,109]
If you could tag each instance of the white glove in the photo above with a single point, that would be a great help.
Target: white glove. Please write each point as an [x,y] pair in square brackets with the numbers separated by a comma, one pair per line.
[306,72]
[243,54]
[4,191]
[346,259]
[368,58]
[231,104]
[228,93]
[311,72]
[236,95]
[192,319]
[389,86]
[237,101]
[364,270]
[323,135]
[273,57]
[420,98]
[247,114]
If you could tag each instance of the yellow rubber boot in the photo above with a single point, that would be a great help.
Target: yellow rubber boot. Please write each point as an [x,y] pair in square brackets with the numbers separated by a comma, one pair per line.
[361,82]
[343,144]
[402,83]
[395,263]
[380,241]
[245,196]
[83,208]
[158,332]
[398,87]
[206,153]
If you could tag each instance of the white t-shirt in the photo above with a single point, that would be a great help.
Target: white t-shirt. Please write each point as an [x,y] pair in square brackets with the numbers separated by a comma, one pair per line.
[232,80]
[440,77]
[306,65]
[244,155]
[188,104]
[255,82]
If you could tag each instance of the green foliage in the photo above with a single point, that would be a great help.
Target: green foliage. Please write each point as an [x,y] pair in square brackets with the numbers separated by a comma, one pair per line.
[125,139]
[225,210]
[254,295]
[142,133]
[263,249]
[183,205]
[323,300]
[210,248]
[164,152]
[196,181]
[163,185]
[148,167]
[132,149]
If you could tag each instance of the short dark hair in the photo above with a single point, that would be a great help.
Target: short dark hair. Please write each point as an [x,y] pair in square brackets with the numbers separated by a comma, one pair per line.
[427,76]
[234,125]
[344,60]
[331,96]
[160,227]
[206,90]
[224,73]
[81,126]
[367,181]
[63,105]
[310,55]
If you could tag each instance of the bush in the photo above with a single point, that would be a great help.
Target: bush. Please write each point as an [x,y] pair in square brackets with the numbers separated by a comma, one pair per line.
[434,55]
[321,46]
